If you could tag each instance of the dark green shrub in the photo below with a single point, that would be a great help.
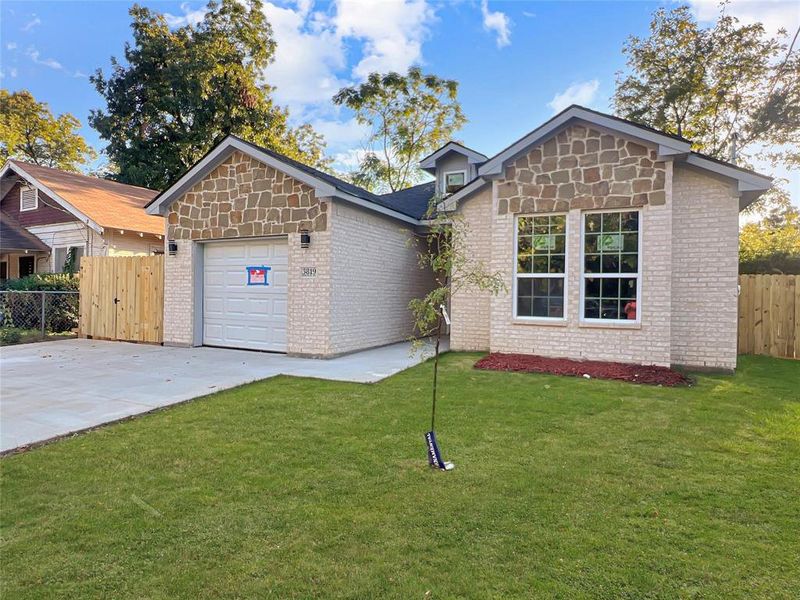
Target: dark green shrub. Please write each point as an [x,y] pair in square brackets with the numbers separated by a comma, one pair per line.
[24,310]
[9,335]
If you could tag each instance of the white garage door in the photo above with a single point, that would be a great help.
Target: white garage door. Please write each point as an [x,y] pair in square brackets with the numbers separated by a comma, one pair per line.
[238,314]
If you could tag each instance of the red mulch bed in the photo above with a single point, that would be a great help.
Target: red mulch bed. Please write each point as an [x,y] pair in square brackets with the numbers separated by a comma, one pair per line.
[596,369]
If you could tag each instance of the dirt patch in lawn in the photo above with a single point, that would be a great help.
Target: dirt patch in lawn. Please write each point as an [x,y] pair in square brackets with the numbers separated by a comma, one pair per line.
[526,363]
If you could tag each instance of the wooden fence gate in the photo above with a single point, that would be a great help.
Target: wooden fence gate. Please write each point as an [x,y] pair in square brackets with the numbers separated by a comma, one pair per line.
[769,315]
[122,298]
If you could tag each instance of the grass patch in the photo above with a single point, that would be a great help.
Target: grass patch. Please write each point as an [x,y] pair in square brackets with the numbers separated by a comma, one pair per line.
[302,488]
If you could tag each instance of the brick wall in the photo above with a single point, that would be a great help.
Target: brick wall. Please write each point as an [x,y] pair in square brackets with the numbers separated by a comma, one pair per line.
[470,308]
[309,327]
[704,270]
[646,342]
[179,295]
[375,275]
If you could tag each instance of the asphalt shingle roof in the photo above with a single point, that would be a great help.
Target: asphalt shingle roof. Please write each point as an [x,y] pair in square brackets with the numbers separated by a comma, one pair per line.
[14,236]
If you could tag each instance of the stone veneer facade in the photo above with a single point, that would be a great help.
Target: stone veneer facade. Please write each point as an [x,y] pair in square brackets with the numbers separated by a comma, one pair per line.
[244,198]
[582,167]
[687,305]
[365,254]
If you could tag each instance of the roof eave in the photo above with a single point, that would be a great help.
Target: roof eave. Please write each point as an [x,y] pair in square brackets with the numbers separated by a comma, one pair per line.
[66,205]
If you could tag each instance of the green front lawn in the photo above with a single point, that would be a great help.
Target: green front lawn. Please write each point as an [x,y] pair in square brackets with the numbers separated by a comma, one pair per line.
[302,488]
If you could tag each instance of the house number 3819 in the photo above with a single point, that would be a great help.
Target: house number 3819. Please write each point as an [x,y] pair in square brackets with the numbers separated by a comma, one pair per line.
[308,271]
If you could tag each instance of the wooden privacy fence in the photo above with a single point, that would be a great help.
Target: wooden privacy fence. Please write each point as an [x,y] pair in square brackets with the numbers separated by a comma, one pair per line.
[769,315]
[122,298]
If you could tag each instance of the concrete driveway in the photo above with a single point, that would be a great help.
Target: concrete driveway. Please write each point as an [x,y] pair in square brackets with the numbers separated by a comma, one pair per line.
[54,388]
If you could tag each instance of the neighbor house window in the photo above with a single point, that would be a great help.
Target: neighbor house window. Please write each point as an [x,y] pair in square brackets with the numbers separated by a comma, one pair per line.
[28,198]
[454,181]
[67,259]
[540,280]
[611,266]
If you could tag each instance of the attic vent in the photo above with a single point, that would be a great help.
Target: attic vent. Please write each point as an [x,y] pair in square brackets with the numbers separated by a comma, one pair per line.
[28,198]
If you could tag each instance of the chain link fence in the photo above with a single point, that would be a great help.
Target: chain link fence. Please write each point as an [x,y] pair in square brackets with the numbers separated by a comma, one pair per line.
[29,316]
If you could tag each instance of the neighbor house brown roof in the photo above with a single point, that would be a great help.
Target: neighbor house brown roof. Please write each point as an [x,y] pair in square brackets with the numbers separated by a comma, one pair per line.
[110,204]
[14,236]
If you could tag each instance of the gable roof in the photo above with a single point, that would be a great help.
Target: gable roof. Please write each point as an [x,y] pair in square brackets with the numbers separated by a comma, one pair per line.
[473,156]
[14,236]
[324,184]
[100,203]
[750,184]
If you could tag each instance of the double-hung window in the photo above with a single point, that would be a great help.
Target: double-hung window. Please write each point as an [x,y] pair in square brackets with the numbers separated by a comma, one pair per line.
[540,278]
[611,269]
[454,181]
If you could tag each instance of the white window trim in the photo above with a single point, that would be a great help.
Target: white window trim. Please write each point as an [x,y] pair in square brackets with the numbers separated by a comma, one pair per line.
[612,322]
[444,180]
[564,276]
[35,198]
[54,267]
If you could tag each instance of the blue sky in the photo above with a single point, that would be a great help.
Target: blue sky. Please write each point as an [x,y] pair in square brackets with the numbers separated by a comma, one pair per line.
[517,62]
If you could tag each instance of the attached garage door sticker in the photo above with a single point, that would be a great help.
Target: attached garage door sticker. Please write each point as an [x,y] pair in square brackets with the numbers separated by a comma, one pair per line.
[257,275]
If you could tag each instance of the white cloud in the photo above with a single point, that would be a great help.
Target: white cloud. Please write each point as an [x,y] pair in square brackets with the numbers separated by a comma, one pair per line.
[189,16]
[12,72]
[11,46]
[578,93]
[497,22]
[341,134]
[34,22]
[774,14]
[51,63]
[307,57]
[392,34]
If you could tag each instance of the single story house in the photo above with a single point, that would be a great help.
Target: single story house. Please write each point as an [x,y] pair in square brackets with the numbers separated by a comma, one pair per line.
[17,241]
[616,242]
[71,212]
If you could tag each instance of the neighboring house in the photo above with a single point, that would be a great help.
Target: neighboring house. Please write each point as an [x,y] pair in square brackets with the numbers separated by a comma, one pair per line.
[68,211]
[616,242]
[18,242]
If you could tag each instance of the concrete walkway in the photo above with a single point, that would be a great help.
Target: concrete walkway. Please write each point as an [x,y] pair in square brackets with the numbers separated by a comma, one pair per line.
[51,389]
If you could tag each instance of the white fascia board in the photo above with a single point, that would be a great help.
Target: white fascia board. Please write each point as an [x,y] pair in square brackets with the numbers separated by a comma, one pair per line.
[59,200]
[225,148]
[494,165]
[747,182]
[472,156]
[450,203]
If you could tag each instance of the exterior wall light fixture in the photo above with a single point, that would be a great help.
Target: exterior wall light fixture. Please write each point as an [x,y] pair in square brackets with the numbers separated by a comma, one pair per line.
[305,238]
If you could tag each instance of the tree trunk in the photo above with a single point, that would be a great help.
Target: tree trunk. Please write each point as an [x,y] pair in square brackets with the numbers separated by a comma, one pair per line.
[436,369]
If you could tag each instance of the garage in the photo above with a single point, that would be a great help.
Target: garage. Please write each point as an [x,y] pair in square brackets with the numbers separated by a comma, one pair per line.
[245,285]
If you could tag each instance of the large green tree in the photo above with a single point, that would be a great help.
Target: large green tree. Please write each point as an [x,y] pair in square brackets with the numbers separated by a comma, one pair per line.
[29,131]
[408,117]
[181,91]
[715,85]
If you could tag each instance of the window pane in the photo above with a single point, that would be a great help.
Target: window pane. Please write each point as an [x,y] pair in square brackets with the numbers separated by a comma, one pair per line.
[541,225]
[556,308]
[524,226]
[559,244]
[609,309]
[631,242]
[540,264]
[610,222]
[547,300]
[627,288]
[610,263]
[591,309]
[540,287]
[557,263]
[523,264]
[590,243]
[524,244]
[539,307]
[630,221]
[593,222]
[629,263]
[592,263]
[524,307]
[558,224]
[610,288]
[524,285]
[593,287]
